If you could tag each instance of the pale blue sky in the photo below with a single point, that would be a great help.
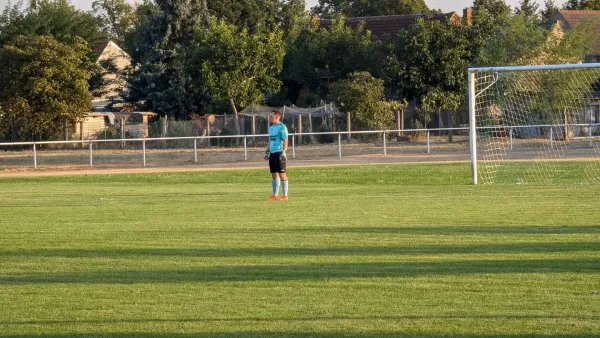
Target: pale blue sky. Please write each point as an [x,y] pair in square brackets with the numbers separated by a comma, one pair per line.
[444,5]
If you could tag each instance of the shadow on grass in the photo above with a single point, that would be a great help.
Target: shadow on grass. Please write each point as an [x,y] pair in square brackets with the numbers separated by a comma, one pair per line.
[516,248]
[290,272]
[439,230]
[289,334]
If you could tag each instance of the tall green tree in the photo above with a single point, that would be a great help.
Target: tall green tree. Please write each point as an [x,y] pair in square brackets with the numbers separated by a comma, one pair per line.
[522,41]
[58,18]
[498,8]
[321,56]
[354,8]
[432,59]
[549,8]
[255,14]
[44,86]
[143,14]
[518,42]
[162,40]
[363,96]
[528,8]
[117,17]
[235,66]
[488,15]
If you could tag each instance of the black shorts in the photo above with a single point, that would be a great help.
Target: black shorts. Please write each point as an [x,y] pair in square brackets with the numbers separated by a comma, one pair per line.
[276,165]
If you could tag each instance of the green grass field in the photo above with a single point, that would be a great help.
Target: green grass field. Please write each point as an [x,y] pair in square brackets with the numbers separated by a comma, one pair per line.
[368,251]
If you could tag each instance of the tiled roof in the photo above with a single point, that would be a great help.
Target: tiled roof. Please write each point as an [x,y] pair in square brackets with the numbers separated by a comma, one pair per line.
[573,18]
[386,27]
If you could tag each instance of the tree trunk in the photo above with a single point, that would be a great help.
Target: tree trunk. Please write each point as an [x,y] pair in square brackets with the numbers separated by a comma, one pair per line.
[236,117]
[65,130]
[450,124]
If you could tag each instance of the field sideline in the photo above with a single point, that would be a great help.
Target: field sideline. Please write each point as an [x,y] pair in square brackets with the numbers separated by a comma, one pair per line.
[358,251]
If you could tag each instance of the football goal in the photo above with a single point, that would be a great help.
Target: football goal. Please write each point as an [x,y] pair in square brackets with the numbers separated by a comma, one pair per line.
[530,124]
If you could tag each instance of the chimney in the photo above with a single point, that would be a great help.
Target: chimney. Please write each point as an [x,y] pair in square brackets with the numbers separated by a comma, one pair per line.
[467,14]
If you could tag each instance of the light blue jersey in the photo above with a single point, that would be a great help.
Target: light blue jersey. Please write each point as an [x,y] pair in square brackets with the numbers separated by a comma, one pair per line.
[277,134]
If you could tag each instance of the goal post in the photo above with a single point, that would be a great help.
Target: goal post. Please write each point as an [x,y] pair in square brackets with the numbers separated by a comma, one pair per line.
[527,122]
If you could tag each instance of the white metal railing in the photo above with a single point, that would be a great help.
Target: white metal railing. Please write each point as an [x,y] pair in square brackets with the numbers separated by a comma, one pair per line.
[339,134]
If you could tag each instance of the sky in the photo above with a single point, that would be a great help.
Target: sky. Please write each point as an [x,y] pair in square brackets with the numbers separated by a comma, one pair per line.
[444,5]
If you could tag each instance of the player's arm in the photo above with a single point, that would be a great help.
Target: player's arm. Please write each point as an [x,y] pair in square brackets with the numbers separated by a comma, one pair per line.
[284,136]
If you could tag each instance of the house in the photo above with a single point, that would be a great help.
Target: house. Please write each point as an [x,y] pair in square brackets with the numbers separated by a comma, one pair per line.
[129,124]
[101,116]
[121,60]
[566,20]
[386,28]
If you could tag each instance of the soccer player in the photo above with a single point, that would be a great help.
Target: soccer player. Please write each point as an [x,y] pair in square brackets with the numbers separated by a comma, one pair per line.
[278,144]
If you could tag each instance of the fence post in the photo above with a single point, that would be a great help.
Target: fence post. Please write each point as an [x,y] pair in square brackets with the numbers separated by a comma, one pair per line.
[144,151]
[384,144]
[551,138]
[590,135]
[349,123]
[91,154]
[195,150]
[293,147]
[34,156]
[428,143]
[245,148]
[510,133]
[340,144]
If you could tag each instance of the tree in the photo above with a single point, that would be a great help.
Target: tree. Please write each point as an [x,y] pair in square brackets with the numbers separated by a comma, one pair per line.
[431,61]
[522,41]
[133,44]
[287,15]
[362,95]
[44,86]
[528,8]
[488,14]
[496,8]
[235,66]
[515,43]
[320,56]
[583,5]
[354,8]
[549,8]
[51,17]
[162,40]
[117,16]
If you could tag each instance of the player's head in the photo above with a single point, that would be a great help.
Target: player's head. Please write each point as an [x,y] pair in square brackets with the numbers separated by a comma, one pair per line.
[275,116]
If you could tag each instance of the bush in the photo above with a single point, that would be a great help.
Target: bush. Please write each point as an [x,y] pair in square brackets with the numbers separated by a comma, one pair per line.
[109,133]
[329,138]
[416,136]
[225,142]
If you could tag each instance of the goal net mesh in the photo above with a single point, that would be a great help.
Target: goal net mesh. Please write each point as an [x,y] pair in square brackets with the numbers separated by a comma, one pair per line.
[532,125]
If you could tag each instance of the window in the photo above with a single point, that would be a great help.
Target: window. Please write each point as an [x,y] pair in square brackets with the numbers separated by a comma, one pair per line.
[595,114]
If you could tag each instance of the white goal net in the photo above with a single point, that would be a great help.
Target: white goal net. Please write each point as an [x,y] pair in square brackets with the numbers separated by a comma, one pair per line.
[535,124]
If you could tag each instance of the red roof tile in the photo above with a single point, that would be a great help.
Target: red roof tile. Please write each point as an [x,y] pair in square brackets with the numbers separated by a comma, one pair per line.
[386,27]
